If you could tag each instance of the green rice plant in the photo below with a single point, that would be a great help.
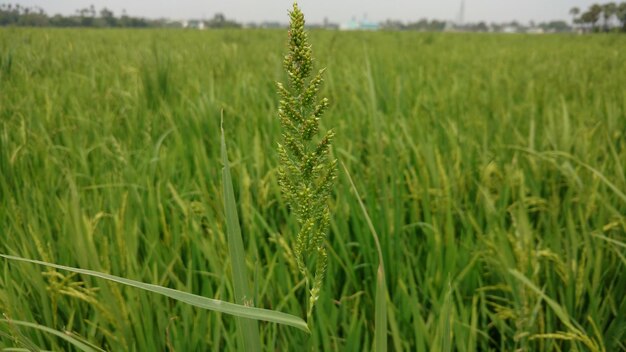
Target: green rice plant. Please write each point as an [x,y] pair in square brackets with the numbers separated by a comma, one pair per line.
[64,335]
[237,310]
[380,334]
[306,173]
[248,331]
[6,63]
[474,155]
[573,333]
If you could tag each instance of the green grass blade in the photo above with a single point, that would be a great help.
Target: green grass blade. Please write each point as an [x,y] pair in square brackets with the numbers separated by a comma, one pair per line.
[189,298]
[446,317]
[381,309]
[578,333]
[600,175]
[380,334]
[18,338]
[63,335]
[610,240]
[558,310]
[248,329]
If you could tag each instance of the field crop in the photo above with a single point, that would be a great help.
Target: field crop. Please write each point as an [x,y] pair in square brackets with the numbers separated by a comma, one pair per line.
[493,168]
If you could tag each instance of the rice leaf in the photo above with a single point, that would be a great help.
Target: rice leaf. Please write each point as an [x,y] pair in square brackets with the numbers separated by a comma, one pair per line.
[189,298]
[380,333]
[63,335]
[248,332]
[558,310]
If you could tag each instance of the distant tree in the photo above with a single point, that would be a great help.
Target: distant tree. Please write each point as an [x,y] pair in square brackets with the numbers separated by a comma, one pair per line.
[108,17]
[496,27]
[32,18]
[608,11]
[437,26]
[125,19]
[574,12]
[86,20]
[555,26]
[393,25]
[18,15]
[219,18]
[22,16]
[621,15]
[591,17]
[421,25]
[220,21]
[482,27]
[63,21]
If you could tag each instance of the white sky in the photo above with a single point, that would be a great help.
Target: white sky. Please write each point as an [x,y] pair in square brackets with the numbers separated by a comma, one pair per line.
[335,10]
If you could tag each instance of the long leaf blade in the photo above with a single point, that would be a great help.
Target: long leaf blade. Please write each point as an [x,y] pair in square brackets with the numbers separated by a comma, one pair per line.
[189,298]
[380,333]
[558,310]
[248,329]
[63,335]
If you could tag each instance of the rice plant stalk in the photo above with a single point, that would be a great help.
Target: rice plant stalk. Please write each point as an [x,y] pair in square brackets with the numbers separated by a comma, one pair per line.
[380,317]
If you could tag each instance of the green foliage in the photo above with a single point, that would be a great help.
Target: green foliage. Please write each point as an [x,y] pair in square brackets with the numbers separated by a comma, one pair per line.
[306,173]
[590,19]
[238,310]
[17,15]
[248,331]
[380,329]
[491,166]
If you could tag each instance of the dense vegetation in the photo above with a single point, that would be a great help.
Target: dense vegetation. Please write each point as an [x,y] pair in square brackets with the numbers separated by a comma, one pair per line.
[493,167]
[608,17]
[17,15]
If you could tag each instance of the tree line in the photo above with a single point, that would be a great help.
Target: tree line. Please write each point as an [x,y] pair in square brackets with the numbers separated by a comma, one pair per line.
[17,15]
[609,17]
[426,25]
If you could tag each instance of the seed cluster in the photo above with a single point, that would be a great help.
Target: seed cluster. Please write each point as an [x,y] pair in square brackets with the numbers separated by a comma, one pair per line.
[306,172]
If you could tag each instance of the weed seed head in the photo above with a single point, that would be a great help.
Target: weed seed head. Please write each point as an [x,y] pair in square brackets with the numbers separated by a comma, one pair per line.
[306,173]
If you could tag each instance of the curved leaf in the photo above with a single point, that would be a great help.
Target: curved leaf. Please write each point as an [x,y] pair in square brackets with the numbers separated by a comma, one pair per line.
[194,300]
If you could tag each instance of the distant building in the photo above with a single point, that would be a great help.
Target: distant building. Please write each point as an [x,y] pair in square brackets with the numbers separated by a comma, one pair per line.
[509,29]
[535,30]
[359,26]
[193,24]
[450,27]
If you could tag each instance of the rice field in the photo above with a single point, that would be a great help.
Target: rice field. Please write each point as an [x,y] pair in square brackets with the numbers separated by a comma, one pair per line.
[493,168]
